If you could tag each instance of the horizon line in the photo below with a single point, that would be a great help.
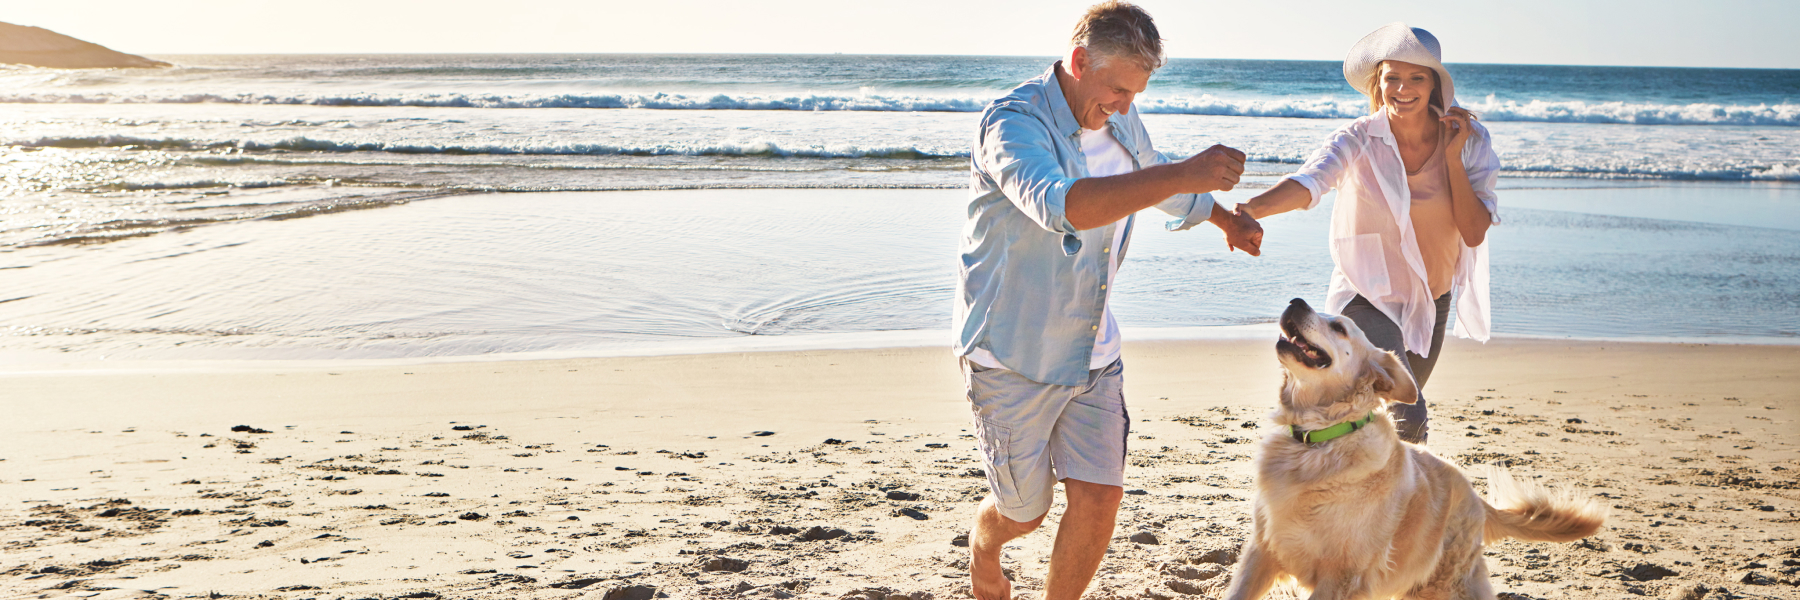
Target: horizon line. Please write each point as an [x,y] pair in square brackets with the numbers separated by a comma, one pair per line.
[1040,56]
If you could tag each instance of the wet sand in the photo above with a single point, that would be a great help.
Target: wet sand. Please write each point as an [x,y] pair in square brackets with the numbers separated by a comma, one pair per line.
[820,474]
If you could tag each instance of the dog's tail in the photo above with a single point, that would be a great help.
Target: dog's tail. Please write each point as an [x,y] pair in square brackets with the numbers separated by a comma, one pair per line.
[1528,511]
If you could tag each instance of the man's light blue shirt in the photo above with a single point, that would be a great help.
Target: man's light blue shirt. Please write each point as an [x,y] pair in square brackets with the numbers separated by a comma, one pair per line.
[1032,289]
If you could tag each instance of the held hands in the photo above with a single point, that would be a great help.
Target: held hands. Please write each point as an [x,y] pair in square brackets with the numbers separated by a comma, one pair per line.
[1455,132]
[1242,232]
[1215,170]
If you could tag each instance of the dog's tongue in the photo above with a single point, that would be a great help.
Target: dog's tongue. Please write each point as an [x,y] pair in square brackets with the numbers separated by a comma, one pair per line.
[1311,352]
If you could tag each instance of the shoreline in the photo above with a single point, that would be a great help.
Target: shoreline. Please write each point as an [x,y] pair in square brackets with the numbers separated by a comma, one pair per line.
[704,475]
[33,363]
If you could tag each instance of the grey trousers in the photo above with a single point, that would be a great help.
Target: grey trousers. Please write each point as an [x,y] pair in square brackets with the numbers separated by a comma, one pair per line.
[1383,332]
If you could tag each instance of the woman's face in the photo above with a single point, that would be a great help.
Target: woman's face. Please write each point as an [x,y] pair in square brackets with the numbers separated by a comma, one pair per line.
[1406,88]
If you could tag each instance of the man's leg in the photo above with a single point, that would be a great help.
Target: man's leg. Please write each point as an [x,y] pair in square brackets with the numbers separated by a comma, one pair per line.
[1088,449]
[1082,536]
[991,533]
[1013,419]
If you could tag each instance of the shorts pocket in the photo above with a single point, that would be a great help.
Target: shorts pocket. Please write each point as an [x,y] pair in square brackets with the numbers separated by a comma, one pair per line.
[996,454]
[1363,259]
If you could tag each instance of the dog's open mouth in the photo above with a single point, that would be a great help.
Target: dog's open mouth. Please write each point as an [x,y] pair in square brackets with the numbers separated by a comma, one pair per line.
[1295,345]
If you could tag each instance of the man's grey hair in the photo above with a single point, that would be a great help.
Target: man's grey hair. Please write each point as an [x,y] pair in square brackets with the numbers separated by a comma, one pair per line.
[1119,30]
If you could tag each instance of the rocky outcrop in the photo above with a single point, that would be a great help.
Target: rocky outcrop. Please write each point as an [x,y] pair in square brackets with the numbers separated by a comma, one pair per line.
[41,47]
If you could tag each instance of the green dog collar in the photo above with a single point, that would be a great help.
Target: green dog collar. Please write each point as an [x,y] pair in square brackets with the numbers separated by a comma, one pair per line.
[1320,436]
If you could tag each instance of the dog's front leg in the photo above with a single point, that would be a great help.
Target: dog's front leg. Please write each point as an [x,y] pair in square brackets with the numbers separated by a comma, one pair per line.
[1256,571]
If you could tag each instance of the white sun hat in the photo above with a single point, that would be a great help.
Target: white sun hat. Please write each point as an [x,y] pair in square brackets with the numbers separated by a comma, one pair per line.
[1396,41]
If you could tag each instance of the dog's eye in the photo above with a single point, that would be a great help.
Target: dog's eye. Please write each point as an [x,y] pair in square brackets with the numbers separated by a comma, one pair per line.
[1339,327]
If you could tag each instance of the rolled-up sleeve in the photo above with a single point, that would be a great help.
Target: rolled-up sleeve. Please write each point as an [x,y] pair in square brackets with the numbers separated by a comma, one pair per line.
[1189,210]
[1016,150]
[1321,172]
[1483,167]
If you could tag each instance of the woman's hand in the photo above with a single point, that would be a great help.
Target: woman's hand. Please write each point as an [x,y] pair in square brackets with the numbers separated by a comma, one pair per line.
[1456,130]
[1471,216]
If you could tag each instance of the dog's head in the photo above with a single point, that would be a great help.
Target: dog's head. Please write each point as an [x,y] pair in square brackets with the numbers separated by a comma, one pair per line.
[1333,370]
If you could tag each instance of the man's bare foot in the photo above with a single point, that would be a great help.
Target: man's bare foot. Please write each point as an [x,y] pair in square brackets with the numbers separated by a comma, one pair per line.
[987,580]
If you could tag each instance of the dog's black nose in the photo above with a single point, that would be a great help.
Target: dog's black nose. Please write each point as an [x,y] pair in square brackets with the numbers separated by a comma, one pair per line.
[1290,318]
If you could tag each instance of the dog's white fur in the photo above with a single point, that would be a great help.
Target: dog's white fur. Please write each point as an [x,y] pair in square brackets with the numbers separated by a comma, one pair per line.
[1366,515]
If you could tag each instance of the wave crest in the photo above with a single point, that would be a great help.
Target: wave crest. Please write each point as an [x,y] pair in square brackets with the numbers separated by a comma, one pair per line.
[305,144]
[1625,113]
[659,101]
[1521,167]
[1490,108]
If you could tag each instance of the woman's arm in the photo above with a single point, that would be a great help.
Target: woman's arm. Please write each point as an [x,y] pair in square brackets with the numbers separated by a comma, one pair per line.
[1471,216]
[1285,196]
[1319,175]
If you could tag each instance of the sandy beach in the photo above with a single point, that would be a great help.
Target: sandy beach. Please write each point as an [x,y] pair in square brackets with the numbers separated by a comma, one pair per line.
[825,474]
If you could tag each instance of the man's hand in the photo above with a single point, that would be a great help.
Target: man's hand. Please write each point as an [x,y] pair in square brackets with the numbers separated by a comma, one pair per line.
[1215,170]
[1241,231]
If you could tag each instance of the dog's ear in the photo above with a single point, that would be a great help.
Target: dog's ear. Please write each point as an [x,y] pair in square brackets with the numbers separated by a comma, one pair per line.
[1392,380]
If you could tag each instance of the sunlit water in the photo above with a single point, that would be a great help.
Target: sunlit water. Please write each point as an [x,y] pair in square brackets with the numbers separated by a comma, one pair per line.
[423,206]
[609,272]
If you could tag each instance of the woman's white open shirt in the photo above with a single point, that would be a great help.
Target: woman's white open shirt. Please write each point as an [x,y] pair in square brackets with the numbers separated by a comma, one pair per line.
[1372,239]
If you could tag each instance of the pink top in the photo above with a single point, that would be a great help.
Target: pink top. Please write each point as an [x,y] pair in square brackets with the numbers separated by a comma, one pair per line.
[1434,227]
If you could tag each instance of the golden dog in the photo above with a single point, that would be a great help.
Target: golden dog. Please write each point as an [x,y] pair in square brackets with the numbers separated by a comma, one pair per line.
[1353,512]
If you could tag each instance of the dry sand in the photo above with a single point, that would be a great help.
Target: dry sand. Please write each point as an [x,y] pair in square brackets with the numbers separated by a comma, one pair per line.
[824,474]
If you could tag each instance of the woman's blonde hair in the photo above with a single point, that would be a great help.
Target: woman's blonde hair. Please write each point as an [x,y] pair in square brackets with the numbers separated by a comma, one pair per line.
[1374,87]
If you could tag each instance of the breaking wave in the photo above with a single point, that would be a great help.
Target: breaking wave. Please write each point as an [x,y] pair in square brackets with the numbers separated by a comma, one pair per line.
[305,144]
[1515,166]
[1490,108]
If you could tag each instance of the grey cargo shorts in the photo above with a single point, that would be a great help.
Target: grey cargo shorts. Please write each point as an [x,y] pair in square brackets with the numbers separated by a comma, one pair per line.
[1033,434]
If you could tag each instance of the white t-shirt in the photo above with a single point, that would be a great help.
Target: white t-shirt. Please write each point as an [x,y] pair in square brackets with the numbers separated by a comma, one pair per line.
[1105,157]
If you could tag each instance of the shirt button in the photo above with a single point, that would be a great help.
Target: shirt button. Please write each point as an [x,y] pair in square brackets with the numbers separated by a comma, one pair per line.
[1103,286]
[1105,250]
[1095,328]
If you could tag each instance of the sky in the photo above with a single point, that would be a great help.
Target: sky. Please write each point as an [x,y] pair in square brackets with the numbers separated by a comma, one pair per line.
[1689,33]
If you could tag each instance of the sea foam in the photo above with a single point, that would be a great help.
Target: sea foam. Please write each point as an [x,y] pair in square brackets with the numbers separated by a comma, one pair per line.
[1527,166]
[307,144]
[1489,108]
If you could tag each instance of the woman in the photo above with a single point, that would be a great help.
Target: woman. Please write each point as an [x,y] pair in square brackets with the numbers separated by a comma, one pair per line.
[1415,183]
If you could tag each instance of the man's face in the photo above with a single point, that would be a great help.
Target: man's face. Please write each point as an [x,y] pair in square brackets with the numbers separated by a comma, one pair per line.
[1095,94]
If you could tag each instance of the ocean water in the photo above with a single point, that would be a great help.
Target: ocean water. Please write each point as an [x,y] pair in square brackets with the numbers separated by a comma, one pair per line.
[405,206]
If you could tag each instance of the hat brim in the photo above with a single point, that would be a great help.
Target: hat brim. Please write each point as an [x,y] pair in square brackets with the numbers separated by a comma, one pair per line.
[1395,41]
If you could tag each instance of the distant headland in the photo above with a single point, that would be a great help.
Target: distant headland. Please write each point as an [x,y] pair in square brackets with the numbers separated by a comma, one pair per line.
[41,47]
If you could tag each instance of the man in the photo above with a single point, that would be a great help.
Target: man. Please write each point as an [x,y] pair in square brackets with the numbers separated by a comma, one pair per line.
[1059,167]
